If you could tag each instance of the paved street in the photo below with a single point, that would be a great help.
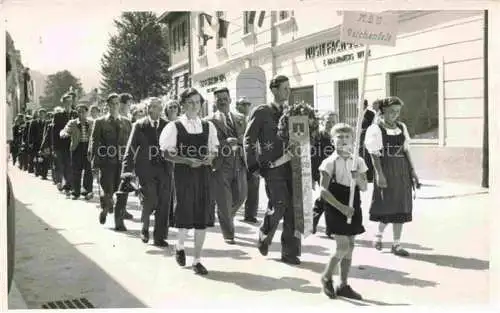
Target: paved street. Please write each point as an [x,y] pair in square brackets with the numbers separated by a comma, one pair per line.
[62,253]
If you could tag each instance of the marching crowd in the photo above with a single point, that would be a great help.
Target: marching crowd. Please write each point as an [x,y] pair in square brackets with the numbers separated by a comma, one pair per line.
[187,168]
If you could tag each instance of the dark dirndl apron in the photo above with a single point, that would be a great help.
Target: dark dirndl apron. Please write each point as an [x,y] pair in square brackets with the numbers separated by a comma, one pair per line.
[394,203]
[336,222]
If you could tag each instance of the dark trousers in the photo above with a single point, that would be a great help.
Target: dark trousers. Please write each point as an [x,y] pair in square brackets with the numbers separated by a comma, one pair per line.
[14,152]
[31,161]
[42,167]
[279,187]
[252,202]
[63,168]
[23,160]
[109,181]
[157,197]
[79,163]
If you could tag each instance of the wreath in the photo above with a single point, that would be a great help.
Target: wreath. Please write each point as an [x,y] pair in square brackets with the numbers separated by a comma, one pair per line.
[298,109]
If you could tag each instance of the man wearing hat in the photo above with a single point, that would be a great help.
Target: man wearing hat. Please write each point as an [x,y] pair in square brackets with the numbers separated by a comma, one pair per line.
[229,179]
[253,181]
[126,100]
[263,150]
[108,142]
[62,145]
[78,131]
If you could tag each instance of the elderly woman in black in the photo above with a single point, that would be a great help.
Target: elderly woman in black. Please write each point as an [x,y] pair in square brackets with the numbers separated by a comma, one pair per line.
[387,141]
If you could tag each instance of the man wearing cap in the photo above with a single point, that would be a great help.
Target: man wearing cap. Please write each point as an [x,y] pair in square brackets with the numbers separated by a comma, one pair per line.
[229,179]
[62,145]
[263,149]
[253,181]
[107,145]
[78,130]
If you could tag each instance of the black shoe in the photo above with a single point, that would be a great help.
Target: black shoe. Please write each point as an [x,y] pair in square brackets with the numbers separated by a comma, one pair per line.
[145,235]
[121,228]
[328,289]
[252,220]
[160,243]
[230,241]
[292,260]
[75,197]
[263,247]
[200,269]
[127,216]
[180,257]
[347,292]
[102,217]
[397,250]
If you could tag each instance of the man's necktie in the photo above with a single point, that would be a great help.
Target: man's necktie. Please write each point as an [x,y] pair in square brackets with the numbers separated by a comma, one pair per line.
[229,123]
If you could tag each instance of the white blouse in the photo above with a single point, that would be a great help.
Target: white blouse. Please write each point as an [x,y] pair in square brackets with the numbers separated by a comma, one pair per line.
[168,136]
[342,168]
[373,138]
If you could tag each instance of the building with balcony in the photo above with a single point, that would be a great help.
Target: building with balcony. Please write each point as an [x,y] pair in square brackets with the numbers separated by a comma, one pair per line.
[436,67]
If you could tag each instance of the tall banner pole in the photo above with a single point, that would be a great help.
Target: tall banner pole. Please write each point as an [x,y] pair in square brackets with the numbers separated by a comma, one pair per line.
[367,29]
[357,142]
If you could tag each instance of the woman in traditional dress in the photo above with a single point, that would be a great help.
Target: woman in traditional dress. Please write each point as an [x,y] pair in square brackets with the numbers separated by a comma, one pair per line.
[387,141]
[191,144]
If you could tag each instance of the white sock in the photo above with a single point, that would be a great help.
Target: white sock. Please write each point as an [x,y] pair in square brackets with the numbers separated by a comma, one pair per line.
[181,236]
[396,243]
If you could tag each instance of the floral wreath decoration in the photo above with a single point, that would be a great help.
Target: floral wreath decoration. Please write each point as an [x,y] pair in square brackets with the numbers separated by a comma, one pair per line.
[298,109]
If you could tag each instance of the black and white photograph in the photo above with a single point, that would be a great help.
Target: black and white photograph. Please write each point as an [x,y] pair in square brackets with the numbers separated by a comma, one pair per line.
[330,156]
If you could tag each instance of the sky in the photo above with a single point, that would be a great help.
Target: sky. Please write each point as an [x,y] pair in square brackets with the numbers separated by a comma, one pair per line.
[53,37]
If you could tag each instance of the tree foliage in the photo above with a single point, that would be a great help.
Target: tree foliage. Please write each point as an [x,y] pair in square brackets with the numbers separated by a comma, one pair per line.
[57,85]
[137,58]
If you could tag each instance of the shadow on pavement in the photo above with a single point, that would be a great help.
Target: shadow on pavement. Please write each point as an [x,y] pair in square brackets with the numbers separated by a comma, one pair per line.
[374,273]
[205,253]
[49,268]
[262,283]
[276,246]
[452,261]
[412,246]
[366,302]
[238,229]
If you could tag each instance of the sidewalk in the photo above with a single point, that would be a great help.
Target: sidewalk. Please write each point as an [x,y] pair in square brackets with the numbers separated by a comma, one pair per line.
[16,300]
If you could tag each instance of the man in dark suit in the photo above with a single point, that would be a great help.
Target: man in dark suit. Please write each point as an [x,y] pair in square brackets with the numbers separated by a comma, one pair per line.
[78,130]
[253,181]
[229,179]
[265,154]
[143,157]
[36,137]
[17,134]
[61,145]
[108,141]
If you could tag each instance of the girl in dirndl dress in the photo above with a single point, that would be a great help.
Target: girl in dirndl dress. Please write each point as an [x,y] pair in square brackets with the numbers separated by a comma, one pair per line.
[191,144]
[387,141]
[336,177]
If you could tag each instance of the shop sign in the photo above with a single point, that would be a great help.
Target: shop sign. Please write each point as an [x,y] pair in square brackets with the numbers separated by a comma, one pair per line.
[213,80]
[345,58]
[328,48]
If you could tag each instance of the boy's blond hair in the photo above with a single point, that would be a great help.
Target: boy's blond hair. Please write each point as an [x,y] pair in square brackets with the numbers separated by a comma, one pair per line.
[341,128]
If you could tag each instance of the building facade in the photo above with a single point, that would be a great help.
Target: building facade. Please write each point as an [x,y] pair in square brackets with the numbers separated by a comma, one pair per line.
[436,67]
[177,26]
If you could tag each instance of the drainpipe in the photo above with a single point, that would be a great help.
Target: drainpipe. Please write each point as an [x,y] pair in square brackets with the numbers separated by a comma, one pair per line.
[485,178]
[273,42]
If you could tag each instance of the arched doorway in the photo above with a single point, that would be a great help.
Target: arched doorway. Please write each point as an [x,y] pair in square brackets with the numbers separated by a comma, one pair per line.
[251,83]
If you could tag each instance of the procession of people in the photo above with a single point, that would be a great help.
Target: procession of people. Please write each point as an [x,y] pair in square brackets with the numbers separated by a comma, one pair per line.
[191,171]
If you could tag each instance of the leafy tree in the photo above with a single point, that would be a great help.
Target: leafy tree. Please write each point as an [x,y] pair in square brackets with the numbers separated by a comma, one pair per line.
[137,58]
[57,85]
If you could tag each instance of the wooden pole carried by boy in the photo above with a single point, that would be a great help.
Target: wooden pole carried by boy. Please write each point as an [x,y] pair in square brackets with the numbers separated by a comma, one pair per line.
[367,29]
